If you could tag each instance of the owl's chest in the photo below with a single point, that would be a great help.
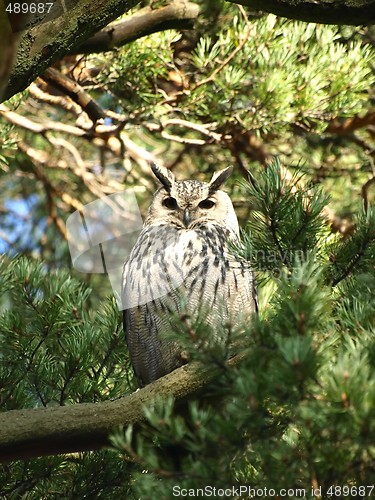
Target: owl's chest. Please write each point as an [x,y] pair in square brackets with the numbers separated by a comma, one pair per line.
[166,259]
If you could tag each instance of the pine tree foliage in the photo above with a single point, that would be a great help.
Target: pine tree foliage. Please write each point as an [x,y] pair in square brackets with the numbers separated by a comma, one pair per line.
[260,78]
[55,351]
[286,222]
[358,252]
[236,90]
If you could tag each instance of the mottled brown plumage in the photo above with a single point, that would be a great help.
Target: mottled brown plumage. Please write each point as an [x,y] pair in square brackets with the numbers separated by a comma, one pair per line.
[181,257]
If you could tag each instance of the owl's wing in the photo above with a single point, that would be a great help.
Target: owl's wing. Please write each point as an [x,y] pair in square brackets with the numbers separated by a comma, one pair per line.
[252,287]
[242,280]
[149,293]
[255,294]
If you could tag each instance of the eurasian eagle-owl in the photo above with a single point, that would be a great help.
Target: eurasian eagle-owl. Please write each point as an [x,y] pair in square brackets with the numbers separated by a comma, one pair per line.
[181,261]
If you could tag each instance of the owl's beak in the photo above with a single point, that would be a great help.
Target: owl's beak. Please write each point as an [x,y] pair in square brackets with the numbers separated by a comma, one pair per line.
[186,218]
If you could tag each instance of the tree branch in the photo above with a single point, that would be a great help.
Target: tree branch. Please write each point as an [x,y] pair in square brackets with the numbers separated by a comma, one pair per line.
[364,192]
[8,46]
[82,427]
[54,36]
[318,11]
[111,137]
[178,15]
[349,125]
[75,92]
[55,100]
[39,128]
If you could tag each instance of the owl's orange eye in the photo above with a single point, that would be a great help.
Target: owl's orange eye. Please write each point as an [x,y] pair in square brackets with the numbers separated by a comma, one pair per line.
[205,204]
[170,203]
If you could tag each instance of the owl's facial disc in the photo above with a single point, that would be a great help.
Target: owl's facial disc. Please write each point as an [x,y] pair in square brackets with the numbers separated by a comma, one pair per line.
[190,212]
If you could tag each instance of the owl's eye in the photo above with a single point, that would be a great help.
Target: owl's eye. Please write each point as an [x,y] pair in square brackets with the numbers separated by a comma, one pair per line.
[205,204]
[170,203]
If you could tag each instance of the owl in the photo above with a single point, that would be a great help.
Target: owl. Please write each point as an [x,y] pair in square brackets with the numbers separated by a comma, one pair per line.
[181,262]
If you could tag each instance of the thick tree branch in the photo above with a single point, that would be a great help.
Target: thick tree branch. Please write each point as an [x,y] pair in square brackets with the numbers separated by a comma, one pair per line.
[354,12]
[64,429]
[8,47]
[178,15]
[54,36]
[62,33]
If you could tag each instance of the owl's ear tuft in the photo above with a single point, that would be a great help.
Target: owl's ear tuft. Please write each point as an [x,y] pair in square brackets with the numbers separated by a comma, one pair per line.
[219,178]
[164,175]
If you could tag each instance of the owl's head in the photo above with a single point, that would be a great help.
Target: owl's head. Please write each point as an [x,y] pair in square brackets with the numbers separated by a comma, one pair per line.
[188,204]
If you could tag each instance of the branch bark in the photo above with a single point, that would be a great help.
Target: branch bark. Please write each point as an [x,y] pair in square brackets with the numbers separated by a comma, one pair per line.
[75,92]
[52,37]
[82,427]
[178,15]
[61,33]
[353,12]
[8,44]
[349,125]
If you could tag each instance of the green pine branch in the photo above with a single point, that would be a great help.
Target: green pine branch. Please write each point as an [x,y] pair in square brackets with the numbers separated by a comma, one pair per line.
[357,253]
[286,223]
